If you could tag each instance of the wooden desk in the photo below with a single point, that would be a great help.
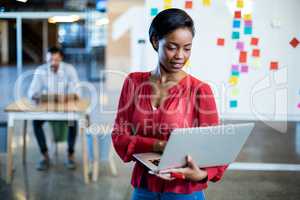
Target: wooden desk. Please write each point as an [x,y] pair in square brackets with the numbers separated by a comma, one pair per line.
[25,110]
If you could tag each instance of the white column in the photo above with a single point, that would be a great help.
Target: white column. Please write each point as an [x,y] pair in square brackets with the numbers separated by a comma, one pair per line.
[19,45]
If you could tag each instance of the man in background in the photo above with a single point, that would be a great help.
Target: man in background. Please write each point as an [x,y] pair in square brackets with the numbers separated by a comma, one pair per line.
[55,81]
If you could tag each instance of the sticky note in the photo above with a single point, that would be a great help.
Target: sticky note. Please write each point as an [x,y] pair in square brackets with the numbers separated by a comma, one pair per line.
[206,2]
[256,64]
[237,14]
[240,4]
[235,92]
[154,11]
[247,30]
[235,68]
[255,52]
[274,65]
[187,63]
[220,41]
[240,45]
[233,103]
[235,73]
[248,23]
[233,80]
[247,16]
[294,42]
[243,57]
[236,24]
[244,68]
[235,35]
[254,41]
[167,4]
[189,4]
[298,105]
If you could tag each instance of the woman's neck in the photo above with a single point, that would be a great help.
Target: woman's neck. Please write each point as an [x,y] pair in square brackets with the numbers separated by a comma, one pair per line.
[164,77]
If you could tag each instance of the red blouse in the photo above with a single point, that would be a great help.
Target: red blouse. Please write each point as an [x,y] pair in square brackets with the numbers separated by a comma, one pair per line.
[190,103]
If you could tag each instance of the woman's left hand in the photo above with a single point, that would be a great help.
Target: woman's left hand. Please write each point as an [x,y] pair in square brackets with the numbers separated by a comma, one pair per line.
[191,172]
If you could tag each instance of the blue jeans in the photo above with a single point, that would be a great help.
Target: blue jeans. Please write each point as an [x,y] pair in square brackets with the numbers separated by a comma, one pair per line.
[144,194]
[41,139]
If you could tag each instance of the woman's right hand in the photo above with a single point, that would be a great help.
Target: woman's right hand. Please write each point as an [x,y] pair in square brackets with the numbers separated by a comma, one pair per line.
[159,146]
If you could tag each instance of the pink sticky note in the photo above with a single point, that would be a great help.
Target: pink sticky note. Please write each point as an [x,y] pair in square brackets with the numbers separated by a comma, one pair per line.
[298,105]
[244,68]
[240,45]
[235,68]
[248,23]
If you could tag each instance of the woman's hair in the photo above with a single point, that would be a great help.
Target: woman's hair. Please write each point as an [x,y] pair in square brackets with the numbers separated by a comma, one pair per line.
[168,21]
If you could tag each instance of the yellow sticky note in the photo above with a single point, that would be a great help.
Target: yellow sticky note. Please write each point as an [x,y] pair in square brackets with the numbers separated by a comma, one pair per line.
[240,4]
[233,80]
[167,4]
[256,64]
[206,2]
[235,92]
[247,16]
[187,63]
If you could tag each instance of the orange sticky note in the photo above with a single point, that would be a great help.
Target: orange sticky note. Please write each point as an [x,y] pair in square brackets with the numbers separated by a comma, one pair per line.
[243,57]
[254,41]
[255,52]
[189,4]
[220,42]
[274,65]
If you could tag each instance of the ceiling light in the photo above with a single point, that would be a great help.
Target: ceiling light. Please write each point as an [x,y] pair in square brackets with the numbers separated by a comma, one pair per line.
[67,18]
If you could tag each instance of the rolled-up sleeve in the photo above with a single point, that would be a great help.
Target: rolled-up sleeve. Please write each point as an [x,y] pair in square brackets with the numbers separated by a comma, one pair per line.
[124,141]
[208,116]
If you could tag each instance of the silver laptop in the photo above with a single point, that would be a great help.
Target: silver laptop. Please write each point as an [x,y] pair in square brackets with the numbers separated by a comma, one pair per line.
[208,146]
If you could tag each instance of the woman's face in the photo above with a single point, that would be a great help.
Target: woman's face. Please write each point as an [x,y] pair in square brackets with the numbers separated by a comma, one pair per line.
[174,49]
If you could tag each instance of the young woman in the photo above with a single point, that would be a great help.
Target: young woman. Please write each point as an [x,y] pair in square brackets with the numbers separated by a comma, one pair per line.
[153,103]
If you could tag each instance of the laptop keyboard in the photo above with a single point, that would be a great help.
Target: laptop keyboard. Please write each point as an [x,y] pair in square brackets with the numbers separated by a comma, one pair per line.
[155,162]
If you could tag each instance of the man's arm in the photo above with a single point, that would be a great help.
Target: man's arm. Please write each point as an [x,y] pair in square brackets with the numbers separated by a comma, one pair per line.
[36,86]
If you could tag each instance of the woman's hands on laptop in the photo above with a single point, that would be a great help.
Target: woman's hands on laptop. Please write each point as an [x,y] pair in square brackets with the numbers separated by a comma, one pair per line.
[191,172]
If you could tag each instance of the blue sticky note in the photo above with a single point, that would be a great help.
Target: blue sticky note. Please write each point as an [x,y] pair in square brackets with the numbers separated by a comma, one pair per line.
[248,30]
[235,35]
[236,24]
[233,104]
[154,11]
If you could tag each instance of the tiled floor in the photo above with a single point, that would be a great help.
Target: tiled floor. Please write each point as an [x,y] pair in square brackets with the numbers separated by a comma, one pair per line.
[265,145]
